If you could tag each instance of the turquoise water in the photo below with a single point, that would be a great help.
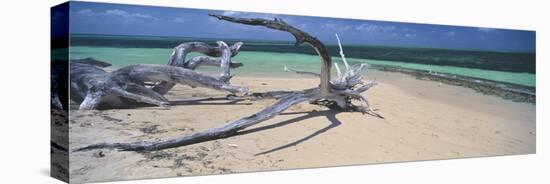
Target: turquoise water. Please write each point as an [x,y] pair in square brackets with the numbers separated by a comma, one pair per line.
[272,63]
[525,79]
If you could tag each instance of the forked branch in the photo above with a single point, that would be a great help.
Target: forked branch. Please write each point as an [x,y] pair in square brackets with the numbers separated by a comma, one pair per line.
[179,54]
[299,35]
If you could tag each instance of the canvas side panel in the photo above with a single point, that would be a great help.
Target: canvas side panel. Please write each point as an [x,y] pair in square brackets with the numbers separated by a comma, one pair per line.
[59,138]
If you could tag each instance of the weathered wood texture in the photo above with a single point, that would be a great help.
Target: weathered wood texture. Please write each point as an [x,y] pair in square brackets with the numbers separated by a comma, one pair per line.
[93,87]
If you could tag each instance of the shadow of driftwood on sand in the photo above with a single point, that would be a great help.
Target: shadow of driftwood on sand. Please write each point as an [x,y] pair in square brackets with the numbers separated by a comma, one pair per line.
[210,101]
[329,114]
[197,101]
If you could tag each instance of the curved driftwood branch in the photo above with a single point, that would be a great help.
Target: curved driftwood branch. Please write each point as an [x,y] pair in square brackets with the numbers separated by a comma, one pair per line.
[177,58]
[178,75]
[225,74]
[299,35]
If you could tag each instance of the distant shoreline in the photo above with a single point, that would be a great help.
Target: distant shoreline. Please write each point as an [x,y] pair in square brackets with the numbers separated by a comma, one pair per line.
[508,91]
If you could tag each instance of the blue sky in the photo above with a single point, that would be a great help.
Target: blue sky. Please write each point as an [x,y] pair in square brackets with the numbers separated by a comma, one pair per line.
[117,19]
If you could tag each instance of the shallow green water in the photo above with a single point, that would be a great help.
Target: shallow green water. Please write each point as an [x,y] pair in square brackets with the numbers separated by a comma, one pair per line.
[526,79]
[271,63]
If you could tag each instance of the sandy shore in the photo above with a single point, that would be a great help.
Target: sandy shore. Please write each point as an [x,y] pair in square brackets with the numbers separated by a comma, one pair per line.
[423,121]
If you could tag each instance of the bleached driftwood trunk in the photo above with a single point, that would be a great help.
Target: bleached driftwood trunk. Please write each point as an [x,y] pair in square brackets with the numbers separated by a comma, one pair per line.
[92,87]
[335,94]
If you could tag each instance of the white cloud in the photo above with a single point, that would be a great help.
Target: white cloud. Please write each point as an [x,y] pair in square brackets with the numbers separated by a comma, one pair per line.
[334,26]
[485,30]
[144,16]
[252,15]
[409,35]
[374,28]
[345,28]
[367,27]
[116,12]
[230,13]
[122,13]
[179,19]
[451,34]
[87,12]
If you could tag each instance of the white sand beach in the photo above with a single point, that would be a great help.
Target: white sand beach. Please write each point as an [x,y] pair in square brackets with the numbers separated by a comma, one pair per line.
[423,121]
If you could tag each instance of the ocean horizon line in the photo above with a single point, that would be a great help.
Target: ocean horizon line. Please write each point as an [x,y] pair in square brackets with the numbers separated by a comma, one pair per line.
[291,42]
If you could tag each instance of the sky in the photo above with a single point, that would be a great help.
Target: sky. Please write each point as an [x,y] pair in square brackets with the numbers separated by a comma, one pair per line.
[118,19]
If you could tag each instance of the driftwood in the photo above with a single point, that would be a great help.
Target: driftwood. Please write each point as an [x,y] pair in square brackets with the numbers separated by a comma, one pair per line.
[334,94]
[179,53]
[93,87]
